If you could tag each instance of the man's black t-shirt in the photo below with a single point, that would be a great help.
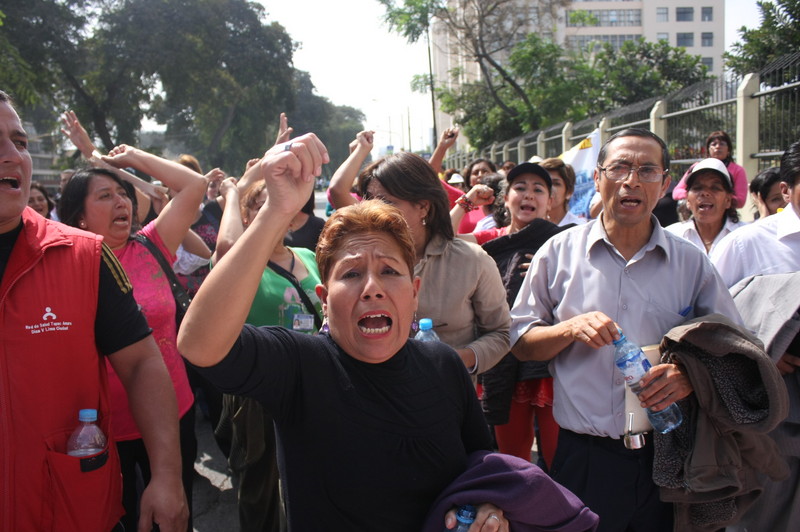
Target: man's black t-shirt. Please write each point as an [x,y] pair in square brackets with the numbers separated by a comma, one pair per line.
[119,322]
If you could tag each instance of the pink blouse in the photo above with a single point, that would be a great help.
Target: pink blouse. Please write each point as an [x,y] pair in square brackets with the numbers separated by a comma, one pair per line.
[152,292]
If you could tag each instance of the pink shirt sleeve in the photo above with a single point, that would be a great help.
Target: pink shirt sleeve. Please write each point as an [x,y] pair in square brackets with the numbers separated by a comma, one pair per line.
[738,176]
[453,193]
[679,192]
[740,185]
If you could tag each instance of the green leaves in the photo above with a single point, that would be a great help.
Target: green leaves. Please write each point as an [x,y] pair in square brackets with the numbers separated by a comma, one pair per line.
[779,34]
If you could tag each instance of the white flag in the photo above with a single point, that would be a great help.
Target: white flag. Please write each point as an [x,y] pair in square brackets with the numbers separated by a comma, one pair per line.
[583,158]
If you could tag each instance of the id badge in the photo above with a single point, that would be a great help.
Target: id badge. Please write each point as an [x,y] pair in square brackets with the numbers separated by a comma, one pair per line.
[303,322]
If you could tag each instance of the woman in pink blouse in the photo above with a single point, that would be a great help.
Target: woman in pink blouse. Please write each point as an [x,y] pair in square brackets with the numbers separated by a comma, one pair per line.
[96,200]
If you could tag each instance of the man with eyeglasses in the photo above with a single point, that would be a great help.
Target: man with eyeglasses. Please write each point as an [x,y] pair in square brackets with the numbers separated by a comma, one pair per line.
[624,271]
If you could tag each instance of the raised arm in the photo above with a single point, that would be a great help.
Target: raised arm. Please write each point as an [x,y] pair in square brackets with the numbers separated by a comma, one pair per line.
[448,139]
[207,335]
[345,175]
[230,226]
[188,187]
[478,196]
[80,138]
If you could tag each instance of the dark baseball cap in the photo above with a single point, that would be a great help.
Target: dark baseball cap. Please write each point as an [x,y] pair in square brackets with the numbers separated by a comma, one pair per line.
[530,168]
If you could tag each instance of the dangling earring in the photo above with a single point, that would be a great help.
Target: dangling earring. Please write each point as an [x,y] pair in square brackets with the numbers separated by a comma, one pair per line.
[424,222]
[414,322]
[324,328]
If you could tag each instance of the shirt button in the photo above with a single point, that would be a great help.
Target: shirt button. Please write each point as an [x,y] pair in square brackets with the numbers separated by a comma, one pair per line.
[624,307]
[618,382]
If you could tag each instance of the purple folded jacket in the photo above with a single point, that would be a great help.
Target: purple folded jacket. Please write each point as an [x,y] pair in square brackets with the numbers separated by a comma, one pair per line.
[530,500]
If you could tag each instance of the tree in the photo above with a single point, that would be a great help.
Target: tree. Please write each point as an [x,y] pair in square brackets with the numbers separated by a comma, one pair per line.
[225,74]
[212,70]
[570,85]
[483,32]
[641,69]
[778,35]
[18,77]
[335,125]
[77,63]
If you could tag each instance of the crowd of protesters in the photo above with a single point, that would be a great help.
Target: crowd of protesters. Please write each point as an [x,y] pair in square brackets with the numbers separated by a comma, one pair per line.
[139,294]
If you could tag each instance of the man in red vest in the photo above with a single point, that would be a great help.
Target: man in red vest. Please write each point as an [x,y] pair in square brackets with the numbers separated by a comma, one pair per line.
[65,303]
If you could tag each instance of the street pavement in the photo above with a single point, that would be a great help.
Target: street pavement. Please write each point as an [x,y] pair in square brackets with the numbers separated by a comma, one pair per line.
[214,499]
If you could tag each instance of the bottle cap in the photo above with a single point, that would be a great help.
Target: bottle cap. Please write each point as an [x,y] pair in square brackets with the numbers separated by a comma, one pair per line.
[425,324]
[621,337]
[466,514]
[87,414]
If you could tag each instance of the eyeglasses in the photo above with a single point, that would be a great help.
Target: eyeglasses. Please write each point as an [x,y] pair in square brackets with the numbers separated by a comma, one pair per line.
[620,172]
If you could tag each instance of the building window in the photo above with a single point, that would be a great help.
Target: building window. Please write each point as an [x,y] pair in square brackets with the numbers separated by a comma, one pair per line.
[593,42]
[707,39]
[685,39]
[708,62]
[604,17]
[684,14]
[662,14]
[663,37]
[707,14]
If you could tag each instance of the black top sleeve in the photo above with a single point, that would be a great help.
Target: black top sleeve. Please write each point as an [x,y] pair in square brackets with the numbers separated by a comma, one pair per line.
[119,321]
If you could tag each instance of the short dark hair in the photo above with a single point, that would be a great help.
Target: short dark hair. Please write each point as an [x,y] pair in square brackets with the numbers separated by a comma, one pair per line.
[763,181]
[4,97]
[636,132]
[566,172]
[409,177]
[721,135]
[468,169]
[790,164]
[41,188]
[71,206]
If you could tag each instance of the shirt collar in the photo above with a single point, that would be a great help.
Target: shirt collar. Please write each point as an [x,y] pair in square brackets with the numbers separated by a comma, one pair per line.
[436,246]
[658,238]
[789,222]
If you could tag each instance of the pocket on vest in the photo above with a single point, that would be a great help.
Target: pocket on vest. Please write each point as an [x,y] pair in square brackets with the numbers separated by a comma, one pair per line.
[85,492]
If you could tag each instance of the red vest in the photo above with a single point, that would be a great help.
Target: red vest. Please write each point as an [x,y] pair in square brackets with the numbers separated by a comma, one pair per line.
[49,369]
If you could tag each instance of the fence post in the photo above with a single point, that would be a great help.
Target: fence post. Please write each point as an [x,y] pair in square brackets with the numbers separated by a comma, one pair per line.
[540,147]
[566,133]
[657,124]
[505,152]
[521,155]
[603,126]
[747,117]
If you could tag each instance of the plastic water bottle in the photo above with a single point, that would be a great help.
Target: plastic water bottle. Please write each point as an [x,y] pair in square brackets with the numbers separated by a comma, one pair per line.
[631,361]
[426,332]
[87,439]
[464,517]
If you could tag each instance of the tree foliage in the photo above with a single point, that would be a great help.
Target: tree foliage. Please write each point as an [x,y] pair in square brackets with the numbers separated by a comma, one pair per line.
[562,85]
[778,35]
[527,81]
[215,72]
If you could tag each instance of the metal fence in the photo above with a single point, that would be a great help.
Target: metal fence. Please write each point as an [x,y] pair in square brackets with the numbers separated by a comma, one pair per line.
[760,112]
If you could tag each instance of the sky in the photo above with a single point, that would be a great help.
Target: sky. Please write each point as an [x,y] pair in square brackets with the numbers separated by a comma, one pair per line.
[354,59]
